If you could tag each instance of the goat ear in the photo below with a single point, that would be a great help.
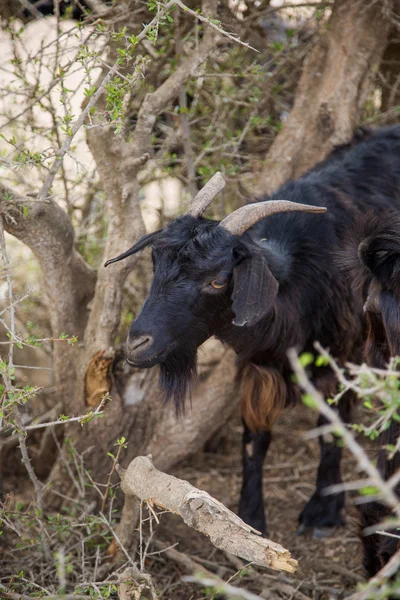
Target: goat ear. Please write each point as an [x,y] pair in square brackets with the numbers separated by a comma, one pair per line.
[254,291]
[145,241]
[381,256]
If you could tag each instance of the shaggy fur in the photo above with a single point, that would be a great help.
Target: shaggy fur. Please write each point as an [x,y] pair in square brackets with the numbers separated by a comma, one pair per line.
[372,259]
[263,395]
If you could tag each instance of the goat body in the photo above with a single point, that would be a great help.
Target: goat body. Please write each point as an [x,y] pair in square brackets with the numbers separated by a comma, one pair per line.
[372,257]
[273,287]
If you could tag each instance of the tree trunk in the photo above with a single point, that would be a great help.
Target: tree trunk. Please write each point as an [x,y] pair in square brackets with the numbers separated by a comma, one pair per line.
[331,92]
[135,411]
[390,73]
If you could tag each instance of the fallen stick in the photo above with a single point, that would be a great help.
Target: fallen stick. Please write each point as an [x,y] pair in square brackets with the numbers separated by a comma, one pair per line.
[204,513]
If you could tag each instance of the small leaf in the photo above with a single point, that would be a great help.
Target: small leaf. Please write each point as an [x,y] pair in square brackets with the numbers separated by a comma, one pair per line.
[369,490]
[309,401]
[321,361]
[306,359]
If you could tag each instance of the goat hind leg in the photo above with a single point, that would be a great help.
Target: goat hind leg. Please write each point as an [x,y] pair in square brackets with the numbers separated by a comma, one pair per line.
[251,504]
[322,513]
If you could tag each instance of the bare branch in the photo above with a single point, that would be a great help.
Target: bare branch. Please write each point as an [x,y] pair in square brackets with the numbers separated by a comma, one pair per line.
[390,569]
[222,587]
[387,494]
[204,513]
[231,36]
[47,230]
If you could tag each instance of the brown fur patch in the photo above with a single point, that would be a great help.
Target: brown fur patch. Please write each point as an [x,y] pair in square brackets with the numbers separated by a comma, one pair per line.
[263,395]
[98,378]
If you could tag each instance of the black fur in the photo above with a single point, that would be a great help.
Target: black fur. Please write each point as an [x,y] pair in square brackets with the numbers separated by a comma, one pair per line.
[304,296]
[372,257]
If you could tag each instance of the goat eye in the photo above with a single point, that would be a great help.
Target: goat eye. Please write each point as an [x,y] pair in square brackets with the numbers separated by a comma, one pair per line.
[217,285]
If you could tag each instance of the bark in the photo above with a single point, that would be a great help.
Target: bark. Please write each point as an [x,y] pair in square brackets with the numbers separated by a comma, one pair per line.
[135,410]
[68,280]
[203,513]
[136,413]
[390,72]
[331,92]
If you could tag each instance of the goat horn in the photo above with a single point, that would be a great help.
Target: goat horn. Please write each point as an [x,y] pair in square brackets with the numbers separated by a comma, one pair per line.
[206,195]
[243,218]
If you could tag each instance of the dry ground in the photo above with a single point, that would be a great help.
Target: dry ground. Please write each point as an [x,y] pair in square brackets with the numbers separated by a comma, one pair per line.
[327,568]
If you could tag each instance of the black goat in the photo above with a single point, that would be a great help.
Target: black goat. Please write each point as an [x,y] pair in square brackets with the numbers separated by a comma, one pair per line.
[373,259]
[263,284]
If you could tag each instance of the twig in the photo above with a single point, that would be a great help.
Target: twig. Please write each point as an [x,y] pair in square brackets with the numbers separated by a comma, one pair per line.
[32,9]
[390,569]
[115,462]
[79,419]
[8,595]
[221,587]
[388,496]
[44,192]
[9,389]
[10,291]
[118,540]
[213,25]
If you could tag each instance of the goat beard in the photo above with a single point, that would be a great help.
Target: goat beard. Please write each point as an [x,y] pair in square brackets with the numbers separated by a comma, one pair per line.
[177,374]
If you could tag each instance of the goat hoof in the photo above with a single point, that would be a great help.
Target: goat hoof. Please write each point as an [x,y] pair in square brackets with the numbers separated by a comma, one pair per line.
[303,529]
[321,533]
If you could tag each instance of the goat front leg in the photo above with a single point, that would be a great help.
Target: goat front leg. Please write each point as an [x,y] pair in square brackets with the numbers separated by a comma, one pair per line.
[322,513]
[251,504]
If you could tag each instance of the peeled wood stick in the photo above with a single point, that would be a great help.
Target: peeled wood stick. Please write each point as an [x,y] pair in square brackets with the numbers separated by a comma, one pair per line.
[204,513]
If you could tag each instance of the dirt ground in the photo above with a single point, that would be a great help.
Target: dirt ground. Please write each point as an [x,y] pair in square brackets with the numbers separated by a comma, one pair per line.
[328,568]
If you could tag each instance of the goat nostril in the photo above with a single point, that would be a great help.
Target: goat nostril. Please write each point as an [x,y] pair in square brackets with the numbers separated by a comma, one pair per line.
[140,342]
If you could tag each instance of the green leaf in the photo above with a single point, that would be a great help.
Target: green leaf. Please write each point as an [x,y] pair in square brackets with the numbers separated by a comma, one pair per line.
[309,401]
[306,359]
[321,361]
[369,490]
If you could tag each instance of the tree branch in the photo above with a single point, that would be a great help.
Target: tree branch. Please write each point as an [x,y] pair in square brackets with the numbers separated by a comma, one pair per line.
[204,513]
[387,494]
[46,229]
[390,569]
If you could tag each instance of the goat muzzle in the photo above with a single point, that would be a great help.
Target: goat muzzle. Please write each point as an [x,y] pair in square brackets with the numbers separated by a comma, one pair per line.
[136,347]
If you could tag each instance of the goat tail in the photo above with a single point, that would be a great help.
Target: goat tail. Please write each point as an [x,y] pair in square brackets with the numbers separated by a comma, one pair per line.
[263,394]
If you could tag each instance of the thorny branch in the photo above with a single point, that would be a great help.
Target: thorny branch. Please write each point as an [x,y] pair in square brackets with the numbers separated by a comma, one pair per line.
[81,419]
[9,389]
[76,125]
[385,488]
[390,569]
